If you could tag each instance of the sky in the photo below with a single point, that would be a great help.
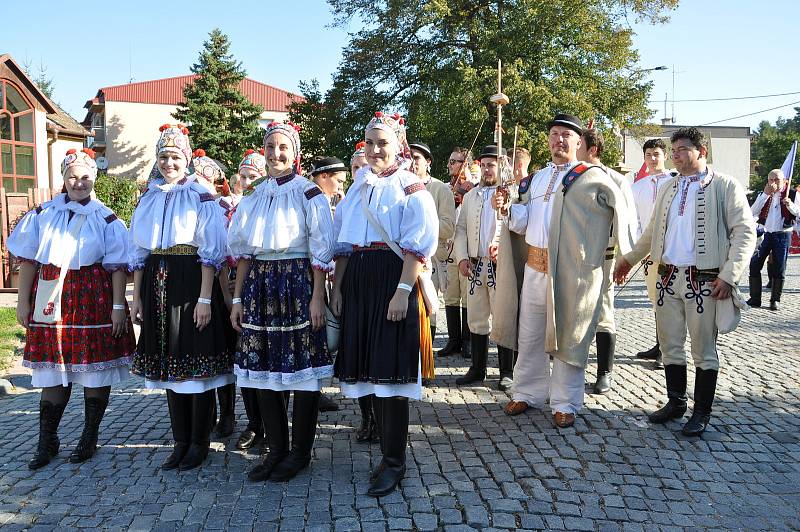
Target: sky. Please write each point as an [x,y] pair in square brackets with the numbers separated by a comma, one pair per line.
[716,49]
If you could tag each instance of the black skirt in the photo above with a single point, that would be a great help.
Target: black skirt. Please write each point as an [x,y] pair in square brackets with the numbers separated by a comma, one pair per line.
[170,347]
[372,348]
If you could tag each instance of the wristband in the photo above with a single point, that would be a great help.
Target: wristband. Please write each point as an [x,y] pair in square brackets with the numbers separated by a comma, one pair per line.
[204,301]
[118,307]
[236,300]
[404,286]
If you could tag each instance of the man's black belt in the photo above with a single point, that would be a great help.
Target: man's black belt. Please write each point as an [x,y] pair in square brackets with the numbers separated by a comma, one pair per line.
[703,276]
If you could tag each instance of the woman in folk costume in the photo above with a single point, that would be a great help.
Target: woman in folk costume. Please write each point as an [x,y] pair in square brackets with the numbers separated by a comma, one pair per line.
[282,234]
[178,245]
[387,214]
[72,303]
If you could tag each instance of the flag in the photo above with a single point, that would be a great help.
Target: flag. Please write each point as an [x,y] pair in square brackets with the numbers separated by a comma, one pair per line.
[788,164]
[641,173]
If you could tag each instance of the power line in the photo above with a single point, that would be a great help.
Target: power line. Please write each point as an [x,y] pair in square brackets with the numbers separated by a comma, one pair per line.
[751,114]
[729,99]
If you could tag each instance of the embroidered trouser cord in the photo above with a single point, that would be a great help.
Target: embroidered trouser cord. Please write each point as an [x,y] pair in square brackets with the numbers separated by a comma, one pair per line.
[481,296]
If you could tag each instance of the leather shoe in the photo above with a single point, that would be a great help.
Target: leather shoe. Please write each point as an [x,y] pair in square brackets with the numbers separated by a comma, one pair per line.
[174,459]
[471,376]
[505,383]
[671,410]
[651,354]
[658,363]
[603,384]
[563,420]
[696,425]
[386,481]
[247,439]
[262,471]
[515,408]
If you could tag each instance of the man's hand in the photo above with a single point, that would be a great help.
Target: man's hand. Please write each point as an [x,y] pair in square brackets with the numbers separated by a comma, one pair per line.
[500,200]
[465,268]
[770,188]
[621,271]
[493,249]
[720,289]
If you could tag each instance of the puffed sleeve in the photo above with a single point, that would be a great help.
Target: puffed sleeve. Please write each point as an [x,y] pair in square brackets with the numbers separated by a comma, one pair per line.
[115,236]
[210,235]
[342,249]
[518,218]
[137,255]
[319,223]
[238,241]
[23,242]
[419,227]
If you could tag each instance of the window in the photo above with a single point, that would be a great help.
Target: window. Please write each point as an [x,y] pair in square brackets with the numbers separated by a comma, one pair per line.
[17,140]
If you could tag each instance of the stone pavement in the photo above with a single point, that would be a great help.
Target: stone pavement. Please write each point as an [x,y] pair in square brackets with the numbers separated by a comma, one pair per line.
[470,465]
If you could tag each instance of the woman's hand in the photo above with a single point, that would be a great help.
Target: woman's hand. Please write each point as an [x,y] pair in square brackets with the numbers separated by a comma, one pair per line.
[23,312]
[202,315]
[317,311]
[119,322]
[237,313]
[336,302]
[136,311]
[398,306]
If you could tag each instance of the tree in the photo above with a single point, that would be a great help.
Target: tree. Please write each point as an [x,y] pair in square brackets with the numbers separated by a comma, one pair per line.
[770,145]
[436,62]
[40,77]
[221,119]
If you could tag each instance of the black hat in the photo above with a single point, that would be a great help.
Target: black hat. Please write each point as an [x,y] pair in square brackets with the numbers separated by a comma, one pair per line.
[572,122]
[422,147]
[490,151]
[327,164]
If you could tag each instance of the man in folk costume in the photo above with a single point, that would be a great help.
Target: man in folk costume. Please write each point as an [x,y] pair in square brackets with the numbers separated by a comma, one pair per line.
[446,210]
[455,293]
[567,221]
[645,191]
[702,234]
[476,232]
[592,146]
[776,211]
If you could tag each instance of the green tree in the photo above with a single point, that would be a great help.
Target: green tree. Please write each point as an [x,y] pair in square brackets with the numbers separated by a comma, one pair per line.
[221,119]
[119,194]
[40,77]
[436,62]
[770,145]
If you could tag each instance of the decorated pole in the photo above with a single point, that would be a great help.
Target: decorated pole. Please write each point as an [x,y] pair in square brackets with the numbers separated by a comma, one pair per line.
[500,99]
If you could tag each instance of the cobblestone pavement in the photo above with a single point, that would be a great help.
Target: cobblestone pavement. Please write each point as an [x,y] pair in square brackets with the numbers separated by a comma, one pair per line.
[470,465]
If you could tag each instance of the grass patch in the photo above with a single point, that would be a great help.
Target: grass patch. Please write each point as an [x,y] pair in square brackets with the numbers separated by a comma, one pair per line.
[11,334]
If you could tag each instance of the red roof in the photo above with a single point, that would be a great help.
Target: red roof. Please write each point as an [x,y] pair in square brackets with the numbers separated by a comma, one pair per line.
[169,91]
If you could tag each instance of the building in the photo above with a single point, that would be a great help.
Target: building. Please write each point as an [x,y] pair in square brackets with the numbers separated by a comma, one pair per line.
[35,133]
[124,119]
[729,150]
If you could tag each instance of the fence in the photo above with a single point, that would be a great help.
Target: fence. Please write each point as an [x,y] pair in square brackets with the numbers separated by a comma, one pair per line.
[12,206]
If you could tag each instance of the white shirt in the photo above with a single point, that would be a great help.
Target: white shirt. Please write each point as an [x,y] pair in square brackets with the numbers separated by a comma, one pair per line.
[183,212]
[774,221]
[283,217]
[44,231]
[644,196]
[490,229]
[399,202]
[533,218]
[679,239]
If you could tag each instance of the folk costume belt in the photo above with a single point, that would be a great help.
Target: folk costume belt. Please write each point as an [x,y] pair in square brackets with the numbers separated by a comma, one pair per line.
[703,276]
[537,258]
[373,246]
[180,249]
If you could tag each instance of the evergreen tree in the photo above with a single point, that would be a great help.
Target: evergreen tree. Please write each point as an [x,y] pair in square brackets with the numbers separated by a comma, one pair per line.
[221,120]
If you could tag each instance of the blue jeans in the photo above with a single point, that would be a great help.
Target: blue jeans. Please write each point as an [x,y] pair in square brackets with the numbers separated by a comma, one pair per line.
[775,245]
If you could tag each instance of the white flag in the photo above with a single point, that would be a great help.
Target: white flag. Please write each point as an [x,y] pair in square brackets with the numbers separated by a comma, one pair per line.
[788,164]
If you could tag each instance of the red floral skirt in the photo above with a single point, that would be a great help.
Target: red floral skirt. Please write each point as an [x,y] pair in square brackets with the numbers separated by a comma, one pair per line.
[82,340]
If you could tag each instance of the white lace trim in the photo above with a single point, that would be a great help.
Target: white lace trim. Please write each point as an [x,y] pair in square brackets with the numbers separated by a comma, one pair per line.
[276,329]
[64,326]
[320,372]
[79,368]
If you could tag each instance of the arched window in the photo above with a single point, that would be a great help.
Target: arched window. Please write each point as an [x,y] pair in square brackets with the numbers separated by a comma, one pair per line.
[17,140]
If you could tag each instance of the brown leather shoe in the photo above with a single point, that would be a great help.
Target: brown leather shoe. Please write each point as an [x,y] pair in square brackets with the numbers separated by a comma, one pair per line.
[563,420]
[515,408]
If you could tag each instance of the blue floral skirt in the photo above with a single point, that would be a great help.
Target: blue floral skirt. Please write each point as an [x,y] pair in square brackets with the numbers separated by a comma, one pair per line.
[277,346]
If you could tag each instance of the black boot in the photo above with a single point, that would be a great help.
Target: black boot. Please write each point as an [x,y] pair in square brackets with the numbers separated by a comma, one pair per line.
[705,387]
[651,354]
[180,412]
[676,393]
[304,429]
[466,342]
[367,432]
[480,352]
[49,418]
[377,412]
[272,406]
[453,332]
[227,411]
[505,359]
[755,291]
[394,437]
[94,408]
[202,424]
[775,297]
[606,342]
[326,404]
[254,433]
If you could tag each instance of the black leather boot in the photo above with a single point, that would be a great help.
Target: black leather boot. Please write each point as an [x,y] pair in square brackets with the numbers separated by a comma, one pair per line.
[254,433]
[304,430]
[202,424]
[505,360]
[480,353]
[755,291]
[377,412]
[777,290]
[705,387]
[606,342]
[327,404]
[394,436]
[453,332]
[49,418]
[466,342]
[227,411]
[367,433]
[272,406]
[676,393]
[94,408]
[180,412]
